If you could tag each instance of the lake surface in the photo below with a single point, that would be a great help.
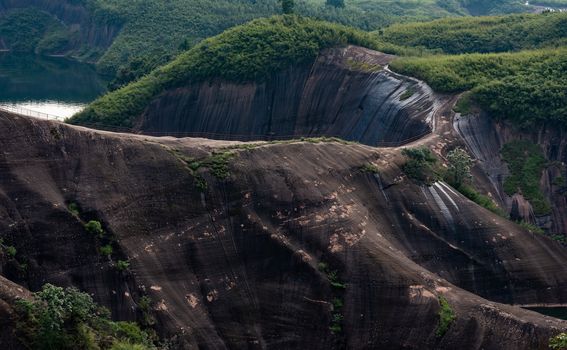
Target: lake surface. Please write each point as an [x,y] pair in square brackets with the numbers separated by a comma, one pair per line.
[51,85]
[558,312]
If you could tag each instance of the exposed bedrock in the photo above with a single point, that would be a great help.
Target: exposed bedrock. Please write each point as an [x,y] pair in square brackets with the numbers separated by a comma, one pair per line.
[75,16]
[238,266]
[485,138]
[343,93]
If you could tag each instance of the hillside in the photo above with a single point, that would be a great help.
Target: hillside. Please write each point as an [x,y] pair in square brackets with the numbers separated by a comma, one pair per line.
[283,244]
[248,53]
[482,34]
[121,33]
[526,88]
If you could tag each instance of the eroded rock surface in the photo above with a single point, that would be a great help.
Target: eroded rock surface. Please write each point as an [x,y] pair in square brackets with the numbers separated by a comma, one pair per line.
[344,93]
[238,264]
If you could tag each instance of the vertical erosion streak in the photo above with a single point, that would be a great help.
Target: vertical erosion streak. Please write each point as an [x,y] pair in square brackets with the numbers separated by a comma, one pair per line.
[445,212]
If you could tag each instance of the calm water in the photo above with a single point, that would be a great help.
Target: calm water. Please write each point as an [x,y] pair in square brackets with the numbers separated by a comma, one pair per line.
[558,312]
[51,85]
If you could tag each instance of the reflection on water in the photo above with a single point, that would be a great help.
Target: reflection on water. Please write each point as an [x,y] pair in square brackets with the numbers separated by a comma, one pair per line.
[50,85]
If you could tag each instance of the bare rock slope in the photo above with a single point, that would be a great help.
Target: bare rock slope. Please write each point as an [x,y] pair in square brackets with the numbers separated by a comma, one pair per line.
[256,258]
[345,92]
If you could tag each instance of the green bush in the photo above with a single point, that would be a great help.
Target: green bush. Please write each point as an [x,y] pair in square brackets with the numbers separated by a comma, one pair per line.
[106,250]
[558,342]
[526,163]
[63,319]
[74,209]
[94,227]
[122,265]
[480,199]
[446,317]
[420,164]
[11,251]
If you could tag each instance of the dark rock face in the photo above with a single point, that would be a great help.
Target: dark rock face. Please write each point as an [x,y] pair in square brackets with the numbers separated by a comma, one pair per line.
[337,95]
[76,17]
[485,138]
[237,266]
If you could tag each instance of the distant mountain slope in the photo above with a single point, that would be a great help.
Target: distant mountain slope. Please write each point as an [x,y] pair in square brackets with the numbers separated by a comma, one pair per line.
[117,33]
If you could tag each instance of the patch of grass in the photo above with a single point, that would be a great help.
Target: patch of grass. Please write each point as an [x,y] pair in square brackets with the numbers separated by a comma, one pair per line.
[446,317]
[530,227]
[464,105]
[122,265]
[407,94]
[526,163]
[482,200]
[369,168]
[106,250]
[363,66]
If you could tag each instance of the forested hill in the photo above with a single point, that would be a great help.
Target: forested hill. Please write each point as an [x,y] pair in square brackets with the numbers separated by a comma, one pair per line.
[141,34]
[482,34]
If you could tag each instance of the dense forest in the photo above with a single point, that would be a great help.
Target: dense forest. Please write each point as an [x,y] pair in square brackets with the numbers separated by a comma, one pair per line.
[152,30]
[482,34]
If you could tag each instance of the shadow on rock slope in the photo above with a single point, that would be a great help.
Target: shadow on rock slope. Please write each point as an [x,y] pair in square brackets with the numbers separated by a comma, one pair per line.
[253,252]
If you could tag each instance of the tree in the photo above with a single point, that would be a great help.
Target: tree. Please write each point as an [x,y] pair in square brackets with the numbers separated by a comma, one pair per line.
[287,6]
[336,3]
[559,342]
[459,166]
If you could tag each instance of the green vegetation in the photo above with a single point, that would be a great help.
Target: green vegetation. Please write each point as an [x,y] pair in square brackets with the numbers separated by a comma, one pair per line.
[525,87]
[558,342]
[526,163]
[249,52]
[363,66]
[369,168]
[459,169]
[407,94]
[145,307]
[11,251]
[446,317]
[482,200]
[338,301]
[94,227]
[420,164]
[106,250]
[530,227]
[482,34]
[148,26]
[31,30]
[465,104]
[122,265]
[74,209]
[168,26]
[60,318]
